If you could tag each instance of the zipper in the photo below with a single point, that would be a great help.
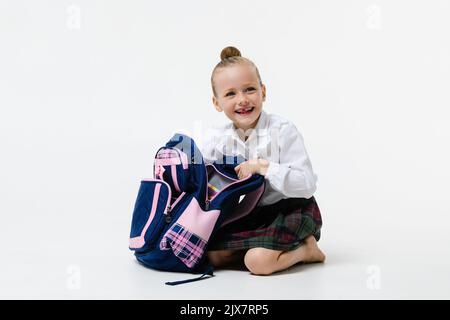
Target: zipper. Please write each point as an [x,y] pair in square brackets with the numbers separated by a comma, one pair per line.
[222,174]
[167,213]
[169,207]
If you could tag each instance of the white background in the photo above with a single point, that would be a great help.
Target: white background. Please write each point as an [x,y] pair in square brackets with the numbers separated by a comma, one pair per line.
[90,89]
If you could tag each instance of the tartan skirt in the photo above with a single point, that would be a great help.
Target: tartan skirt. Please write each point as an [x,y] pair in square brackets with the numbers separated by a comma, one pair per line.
[280,226]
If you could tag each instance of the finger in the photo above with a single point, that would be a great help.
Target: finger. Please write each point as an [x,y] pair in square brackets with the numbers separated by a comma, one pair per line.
[244,175]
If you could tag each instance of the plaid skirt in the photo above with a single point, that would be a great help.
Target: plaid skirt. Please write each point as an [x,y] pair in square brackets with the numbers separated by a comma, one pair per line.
[280,226]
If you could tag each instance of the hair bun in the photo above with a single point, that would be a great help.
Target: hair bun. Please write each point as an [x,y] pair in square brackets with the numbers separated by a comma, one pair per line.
[229,52]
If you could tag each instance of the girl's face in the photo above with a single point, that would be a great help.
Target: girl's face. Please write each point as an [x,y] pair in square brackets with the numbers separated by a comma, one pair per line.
[239,94]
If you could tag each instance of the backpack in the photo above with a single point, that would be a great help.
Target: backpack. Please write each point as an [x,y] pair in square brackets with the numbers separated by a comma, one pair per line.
[177,213]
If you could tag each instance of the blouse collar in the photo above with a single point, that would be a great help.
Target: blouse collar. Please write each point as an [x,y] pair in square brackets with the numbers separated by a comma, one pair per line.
[230,138]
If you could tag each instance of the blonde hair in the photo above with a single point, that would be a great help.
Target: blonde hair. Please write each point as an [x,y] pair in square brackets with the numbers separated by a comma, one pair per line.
[228,57]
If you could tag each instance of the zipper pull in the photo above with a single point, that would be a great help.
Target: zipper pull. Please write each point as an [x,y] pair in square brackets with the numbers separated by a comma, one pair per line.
[168,217]
[207,204]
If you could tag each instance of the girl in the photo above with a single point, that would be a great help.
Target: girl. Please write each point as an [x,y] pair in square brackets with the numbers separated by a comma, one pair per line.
[285,226]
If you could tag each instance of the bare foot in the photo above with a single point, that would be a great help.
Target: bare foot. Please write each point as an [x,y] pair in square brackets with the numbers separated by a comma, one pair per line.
[311,251]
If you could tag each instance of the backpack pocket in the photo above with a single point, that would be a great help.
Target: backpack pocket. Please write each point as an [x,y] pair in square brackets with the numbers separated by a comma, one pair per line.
[149,214]
[190,233]
[171,165]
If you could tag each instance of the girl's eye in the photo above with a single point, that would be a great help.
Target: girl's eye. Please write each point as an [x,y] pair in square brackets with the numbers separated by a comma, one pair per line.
[231,92]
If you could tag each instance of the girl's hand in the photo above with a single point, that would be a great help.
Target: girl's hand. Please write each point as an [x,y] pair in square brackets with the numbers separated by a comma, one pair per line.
[252,166]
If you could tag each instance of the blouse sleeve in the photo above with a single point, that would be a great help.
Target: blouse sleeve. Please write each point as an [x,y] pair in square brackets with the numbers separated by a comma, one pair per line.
[293,176]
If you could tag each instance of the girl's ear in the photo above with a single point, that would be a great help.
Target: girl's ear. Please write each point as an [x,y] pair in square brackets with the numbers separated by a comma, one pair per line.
[263,89]
[216,104]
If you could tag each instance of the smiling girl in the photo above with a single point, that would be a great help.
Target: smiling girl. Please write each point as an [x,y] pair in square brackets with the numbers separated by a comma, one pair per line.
[284,228]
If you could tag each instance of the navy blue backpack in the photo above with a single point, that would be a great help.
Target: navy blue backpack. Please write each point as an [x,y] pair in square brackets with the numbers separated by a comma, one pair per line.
[178,212]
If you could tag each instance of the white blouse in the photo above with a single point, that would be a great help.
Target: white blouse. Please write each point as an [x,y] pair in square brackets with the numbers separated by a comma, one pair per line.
[290,173]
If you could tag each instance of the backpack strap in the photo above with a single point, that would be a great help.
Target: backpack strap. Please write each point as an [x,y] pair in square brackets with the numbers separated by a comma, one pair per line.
[208,272]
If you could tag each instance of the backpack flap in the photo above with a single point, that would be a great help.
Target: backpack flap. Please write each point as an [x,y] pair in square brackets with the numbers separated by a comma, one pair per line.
[246,203]
[237,197]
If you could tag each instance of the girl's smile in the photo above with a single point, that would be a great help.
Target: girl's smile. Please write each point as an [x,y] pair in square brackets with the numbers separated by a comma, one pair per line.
[245,111]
